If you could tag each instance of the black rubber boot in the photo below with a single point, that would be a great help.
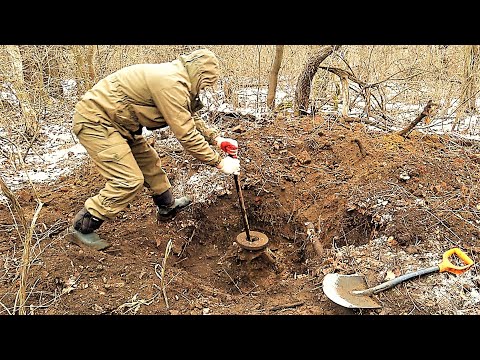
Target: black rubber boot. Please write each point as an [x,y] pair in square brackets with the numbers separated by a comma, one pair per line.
[168,207]
[82,231]
[85,222]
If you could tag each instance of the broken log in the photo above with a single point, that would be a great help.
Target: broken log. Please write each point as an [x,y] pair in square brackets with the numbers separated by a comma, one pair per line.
[426,113]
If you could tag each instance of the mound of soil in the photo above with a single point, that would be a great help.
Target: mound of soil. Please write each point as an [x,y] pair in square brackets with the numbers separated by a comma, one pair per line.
[331,196]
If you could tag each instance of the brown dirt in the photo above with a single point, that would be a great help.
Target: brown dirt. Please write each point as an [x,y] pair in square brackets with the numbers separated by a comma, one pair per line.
[321,181]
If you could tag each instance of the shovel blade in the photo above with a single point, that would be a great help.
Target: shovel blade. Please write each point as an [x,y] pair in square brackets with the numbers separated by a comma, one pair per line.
[338,288]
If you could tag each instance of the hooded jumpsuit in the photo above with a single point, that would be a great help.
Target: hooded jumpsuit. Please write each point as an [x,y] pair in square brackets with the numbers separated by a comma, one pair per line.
[109,119]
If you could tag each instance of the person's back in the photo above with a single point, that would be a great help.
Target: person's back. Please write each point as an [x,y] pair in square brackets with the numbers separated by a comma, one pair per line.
[135,84]
[149,95]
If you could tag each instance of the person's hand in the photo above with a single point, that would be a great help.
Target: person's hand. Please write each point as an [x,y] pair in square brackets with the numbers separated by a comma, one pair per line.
[229,165]
[230,146]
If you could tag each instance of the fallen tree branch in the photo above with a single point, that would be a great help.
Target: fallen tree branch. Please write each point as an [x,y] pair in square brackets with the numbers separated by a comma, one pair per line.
[286,306]
[340,72]
[427,112]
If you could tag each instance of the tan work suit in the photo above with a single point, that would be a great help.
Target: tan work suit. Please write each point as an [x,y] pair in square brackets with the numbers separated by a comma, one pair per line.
[109,118]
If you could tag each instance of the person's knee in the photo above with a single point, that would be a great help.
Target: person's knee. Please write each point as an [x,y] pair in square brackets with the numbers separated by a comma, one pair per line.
[134,184]
[125,186]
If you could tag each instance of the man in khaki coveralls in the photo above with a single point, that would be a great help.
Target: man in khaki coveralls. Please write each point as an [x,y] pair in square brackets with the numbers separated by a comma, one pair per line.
[108,122]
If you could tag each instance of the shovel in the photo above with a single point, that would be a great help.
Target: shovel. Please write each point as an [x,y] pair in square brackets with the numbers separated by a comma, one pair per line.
[351,290]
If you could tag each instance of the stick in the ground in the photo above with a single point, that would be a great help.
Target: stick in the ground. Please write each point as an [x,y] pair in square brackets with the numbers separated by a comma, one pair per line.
[360,146]
[427,111]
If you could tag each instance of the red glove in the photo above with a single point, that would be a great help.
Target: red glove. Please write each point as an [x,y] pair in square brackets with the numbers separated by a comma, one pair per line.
[230,146]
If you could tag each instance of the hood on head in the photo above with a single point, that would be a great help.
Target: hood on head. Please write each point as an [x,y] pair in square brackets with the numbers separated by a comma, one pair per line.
[202,67]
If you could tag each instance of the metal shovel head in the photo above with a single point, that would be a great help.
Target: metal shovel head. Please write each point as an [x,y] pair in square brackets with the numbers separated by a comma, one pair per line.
[339,288]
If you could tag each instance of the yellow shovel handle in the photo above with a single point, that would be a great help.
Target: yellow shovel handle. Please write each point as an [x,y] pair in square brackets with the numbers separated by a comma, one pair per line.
[446,265]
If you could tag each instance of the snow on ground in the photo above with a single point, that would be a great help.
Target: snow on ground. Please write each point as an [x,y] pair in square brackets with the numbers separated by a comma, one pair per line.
[49,166]
[57,155]
[446,291]
[60,152]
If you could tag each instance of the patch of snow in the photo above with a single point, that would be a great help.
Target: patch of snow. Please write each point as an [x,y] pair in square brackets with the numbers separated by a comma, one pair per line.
[9,94]
[205,185]
[69,87]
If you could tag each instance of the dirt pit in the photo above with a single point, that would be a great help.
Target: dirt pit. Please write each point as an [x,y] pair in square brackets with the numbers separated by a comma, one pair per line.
[331,196]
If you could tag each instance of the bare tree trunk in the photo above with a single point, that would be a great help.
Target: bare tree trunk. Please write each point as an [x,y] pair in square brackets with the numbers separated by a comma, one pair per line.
[85,68]
[273,79]
[33,75]
[467,97]
[336,96]
[345,95]
[80,78]
[304,82]
[367,101]
[343,89]
[52,71]
[91,50]
[18,81]
[230,87]
[471,66]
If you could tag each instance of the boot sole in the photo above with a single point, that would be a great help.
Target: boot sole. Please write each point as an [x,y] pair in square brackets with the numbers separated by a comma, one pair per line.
[91,240]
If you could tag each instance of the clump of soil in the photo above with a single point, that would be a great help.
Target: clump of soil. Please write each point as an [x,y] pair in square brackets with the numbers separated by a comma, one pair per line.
[331,196]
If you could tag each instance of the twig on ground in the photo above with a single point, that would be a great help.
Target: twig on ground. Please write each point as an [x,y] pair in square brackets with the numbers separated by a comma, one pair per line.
[134,304]
[233,281]
[286,306]
[186,243]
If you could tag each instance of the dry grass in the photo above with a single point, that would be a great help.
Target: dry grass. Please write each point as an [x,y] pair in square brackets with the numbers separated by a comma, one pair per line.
[25,233]
[161,275]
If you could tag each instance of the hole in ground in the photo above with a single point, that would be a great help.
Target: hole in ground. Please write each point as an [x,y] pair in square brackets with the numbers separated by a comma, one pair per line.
[356,229]
[211,253]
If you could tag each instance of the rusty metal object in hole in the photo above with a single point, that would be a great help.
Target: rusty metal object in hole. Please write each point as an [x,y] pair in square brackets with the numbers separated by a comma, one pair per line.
[258,240]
